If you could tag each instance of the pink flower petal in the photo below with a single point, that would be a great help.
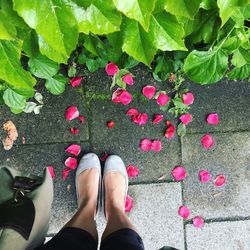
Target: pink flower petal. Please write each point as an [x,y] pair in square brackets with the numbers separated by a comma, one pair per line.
[179,173]
[156,146]
[198,221]
[213,119]
[116,95]
[162,99]
[186,118]
[73,149]
[149,91]
[145,144]
[125,97]
[110,124]
[81,118]
[74,130]
[129,204]
[71,163]
[132,111]
[52,172]
[157,118]
[207,141]
[168,123]
[140,119]
[184,212]
[205,176]
[170,132]
[219,180]
[104,156]
[75,82]
[111,69]
[132,171]
[128,79]
[65,173]
[188,98]
[71,113]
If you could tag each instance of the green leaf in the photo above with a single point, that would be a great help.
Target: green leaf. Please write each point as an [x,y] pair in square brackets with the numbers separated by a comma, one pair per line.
[30,44]
[208,4]
[11,70]
[137,42]
[71,71]
[53,20]
[14,100]
[166,33]
[137,10]
[181,129]
[231,44]
[7,29]
[241,57]
[240,73]
[206,66]
[56,84]
[92,65]
[43,67]
[163,68]
[185,8]
[93,44]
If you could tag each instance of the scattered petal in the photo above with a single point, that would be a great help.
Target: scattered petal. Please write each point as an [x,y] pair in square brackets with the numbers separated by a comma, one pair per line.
[162,99]
[156,146]
[213,119]
[52,172]
[198,221]
[65,173]
[73,149]
[145,145]
[188,98]
[157,118]
[104,156]
[219,180]
[110,124]
[132,171]
[132,111]
[170,131]
[116,95]
[207,141]
[81,118]
[129,204]
[163,177]
[125,97]
[23,140]
[75,82]
[72,113]
[140,119]
[74,130]
[184,212]
[179,173]
[71,163]
[111,69]
[128,79]
[11,131]
[69,188]
[205,176]
[168,123]
[149,91]
[186,119]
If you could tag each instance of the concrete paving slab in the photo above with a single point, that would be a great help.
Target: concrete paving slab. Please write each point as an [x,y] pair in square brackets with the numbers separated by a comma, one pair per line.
[230,235]
[231,157]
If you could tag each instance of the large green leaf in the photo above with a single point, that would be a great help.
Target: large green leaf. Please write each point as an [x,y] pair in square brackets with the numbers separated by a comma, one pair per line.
[11,70]
[56,85]
[185,8]
[206,66]
[166,32]
[7,29]
[137,10]
[137,42]
[53,20]
[14,100]
[43,67]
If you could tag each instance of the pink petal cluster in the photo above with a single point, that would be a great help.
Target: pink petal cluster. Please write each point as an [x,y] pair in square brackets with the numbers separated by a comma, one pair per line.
[185,119]
[207,141]
[179,173]
[129,204]
[213,119]
[52,172]
[148,145]
[188,98]
[71,163]
[170,131]
[73,149]
[111,69]
[71,113]
[162,99]
[128,79]
[149,91]
[132,171]
[184,212]
[75,82]
[122,96]
[137,117]
[219,180]
[157,118]
[198,221]
[204,176]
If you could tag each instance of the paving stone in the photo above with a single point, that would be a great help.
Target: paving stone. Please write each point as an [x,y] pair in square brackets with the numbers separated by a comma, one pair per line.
[50,126]
[124,139]
[230,156]
[230,235]
[33,158]
[229,99]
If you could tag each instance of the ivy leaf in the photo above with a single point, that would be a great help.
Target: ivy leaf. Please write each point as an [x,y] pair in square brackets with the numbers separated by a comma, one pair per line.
[43,67]
[14,100]
[56,84]
[137,10]
[137,42]
[206,66]
[181,129]
[11,70]
[7,29]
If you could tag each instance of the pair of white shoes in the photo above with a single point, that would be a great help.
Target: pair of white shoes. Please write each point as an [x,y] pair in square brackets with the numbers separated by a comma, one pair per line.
[112,164]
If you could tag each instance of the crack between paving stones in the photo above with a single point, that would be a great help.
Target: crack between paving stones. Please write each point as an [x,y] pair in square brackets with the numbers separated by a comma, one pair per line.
[218,132]
[51,143]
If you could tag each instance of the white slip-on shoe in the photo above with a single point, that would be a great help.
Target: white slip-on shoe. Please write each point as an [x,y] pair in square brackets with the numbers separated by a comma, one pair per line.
[114,164]
[89,161]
